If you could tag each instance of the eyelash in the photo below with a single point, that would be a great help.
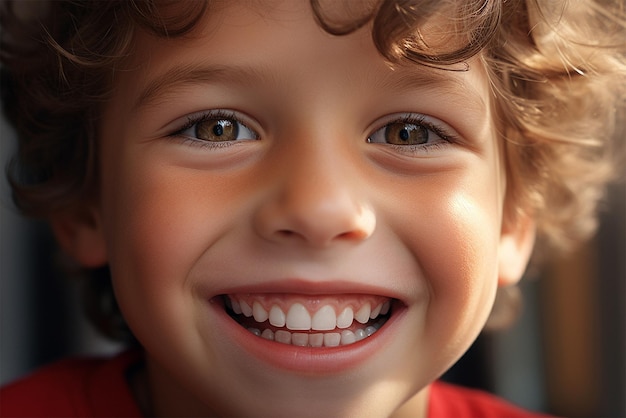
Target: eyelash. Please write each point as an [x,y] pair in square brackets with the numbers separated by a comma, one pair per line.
[203,117]
[420,120]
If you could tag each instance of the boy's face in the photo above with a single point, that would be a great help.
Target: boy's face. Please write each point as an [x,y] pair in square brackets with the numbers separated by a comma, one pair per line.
[266,161]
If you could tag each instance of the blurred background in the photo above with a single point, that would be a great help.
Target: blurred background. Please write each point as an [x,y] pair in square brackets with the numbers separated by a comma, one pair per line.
[566,354]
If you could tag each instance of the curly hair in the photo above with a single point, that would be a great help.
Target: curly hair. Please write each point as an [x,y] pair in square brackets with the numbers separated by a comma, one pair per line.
[557,72]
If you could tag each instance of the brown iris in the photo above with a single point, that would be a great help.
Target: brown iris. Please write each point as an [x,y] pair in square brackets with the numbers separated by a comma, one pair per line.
[217,130]
[406,134]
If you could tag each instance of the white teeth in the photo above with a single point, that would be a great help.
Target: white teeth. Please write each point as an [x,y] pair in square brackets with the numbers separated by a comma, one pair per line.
[245,308]
[376,311]
[332,339]
[277,317]
[324,319]
[304,339]
[235,306]
[347,337]
[298,318]
[268,334]
[385,309]
[344,320]
[300,339]
[363,314]
[260,314]
[283,336]
[359,334]
[316,340]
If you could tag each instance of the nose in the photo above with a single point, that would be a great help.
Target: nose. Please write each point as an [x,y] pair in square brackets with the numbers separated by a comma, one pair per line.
[316,201]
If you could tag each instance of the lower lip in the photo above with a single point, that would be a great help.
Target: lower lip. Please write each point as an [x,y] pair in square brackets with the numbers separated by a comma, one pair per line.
[311,360]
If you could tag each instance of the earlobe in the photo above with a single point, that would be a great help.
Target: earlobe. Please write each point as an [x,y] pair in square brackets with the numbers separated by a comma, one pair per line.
[81,236]
[516,246]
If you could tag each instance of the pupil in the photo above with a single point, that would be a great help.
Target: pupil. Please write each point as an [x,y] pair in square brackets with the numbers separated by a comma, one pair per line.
[404,134]
[218,129]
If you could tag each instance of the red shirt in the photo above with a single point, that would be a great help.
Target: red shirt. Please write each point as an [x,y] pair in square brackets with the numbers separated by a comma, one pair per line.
[86,387]
[98,388]
[448,401]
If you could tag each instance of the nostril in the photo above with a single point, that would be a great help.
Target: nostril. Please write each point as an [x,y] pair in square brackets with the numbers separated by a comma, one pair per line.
[353,235]
[286,233]
[319,225]
[322,239]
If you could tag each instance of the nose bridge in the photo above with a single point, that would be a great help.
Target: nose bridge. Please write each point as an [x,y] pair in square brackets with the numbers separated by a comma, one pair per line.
[318,198]
[317,179]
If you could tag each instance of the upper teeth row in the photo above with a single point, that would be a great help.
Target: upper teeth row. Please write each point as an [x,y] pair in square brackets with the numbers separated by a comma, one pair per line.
[298,317]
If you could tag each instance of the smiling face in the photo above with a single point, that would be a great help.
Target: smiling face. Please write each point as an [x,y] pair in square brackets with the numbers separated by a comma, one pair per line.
[292,226]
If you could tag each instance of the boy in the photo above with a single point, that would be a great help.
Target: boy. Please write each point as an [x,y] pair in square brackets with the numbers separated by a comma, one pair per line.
[306,208]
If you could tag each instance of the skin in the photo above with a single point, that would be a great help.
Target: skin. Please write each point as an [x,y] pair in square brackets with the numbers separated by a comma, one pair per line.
[310,202]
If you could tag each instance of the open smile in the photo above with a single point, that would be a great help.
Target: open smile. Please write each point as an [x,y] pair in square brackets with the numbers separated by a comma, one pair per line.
[321,321]
[312,327]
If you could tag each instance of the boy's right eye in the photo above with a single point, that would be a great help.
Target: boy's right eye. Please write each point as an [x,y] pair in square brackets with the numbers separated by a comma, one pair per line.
[216,127]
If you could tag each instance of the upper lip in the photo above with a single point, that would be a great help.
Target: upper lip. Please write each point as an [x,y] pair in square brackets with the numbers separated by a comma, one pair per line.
[310,287]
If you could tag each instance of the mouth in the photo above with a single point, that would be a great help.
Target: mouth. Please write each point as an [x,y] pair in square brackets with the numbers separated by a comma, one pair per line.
[305,321]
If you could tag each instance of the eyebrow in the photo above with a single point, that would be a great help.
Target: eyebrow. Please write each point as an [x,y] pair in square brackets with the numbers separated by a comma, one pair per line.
[416,76]
[403,79]
[191,74]
[423,78]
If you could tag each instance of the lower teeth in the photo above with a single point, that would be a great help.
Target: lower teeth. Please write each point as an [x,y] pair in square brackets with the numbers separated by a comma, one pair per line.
[328,339]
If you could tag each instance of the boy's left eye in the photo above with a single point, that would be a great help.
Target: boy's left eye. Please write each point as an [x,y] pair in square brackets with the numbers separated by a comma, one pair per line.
[407,133]
[217,128]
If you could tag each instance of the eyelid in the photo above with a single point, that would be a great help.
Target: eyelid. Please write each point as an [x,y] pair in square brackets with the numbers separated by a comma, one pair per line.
[188,121]
[437,126]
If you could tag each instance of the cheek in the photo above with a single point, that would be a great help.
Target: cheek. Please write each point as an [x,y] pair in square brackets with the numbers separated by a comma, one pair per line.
[160,221]
[152,225]
[464,252]
[455,242]
[162,218]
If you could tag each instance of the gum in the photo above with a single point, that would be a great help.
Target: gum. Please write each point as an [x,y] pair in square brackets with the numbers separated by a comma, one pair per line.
[311,303]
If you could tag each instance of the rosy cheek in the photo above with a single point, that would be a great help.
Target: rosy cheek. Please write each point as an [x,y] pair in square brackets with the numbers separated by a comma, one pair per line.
[165,217]
[154,238]
[154,232]
[461,266]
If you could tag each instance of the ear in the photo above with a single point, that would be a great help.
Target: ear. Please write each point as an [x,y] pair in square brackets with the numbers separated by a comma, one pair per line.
[81,236]
[516,245]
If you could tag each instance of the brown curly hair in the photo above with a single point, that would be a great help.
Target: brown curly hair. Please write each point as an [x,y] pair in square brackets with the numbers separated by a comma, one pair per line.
[557,70]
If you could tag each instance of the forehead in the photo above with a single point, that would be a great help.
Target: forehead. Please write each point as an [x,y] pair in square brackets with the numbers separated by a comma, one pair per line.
[280,50]
[438,28]
[251,31]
